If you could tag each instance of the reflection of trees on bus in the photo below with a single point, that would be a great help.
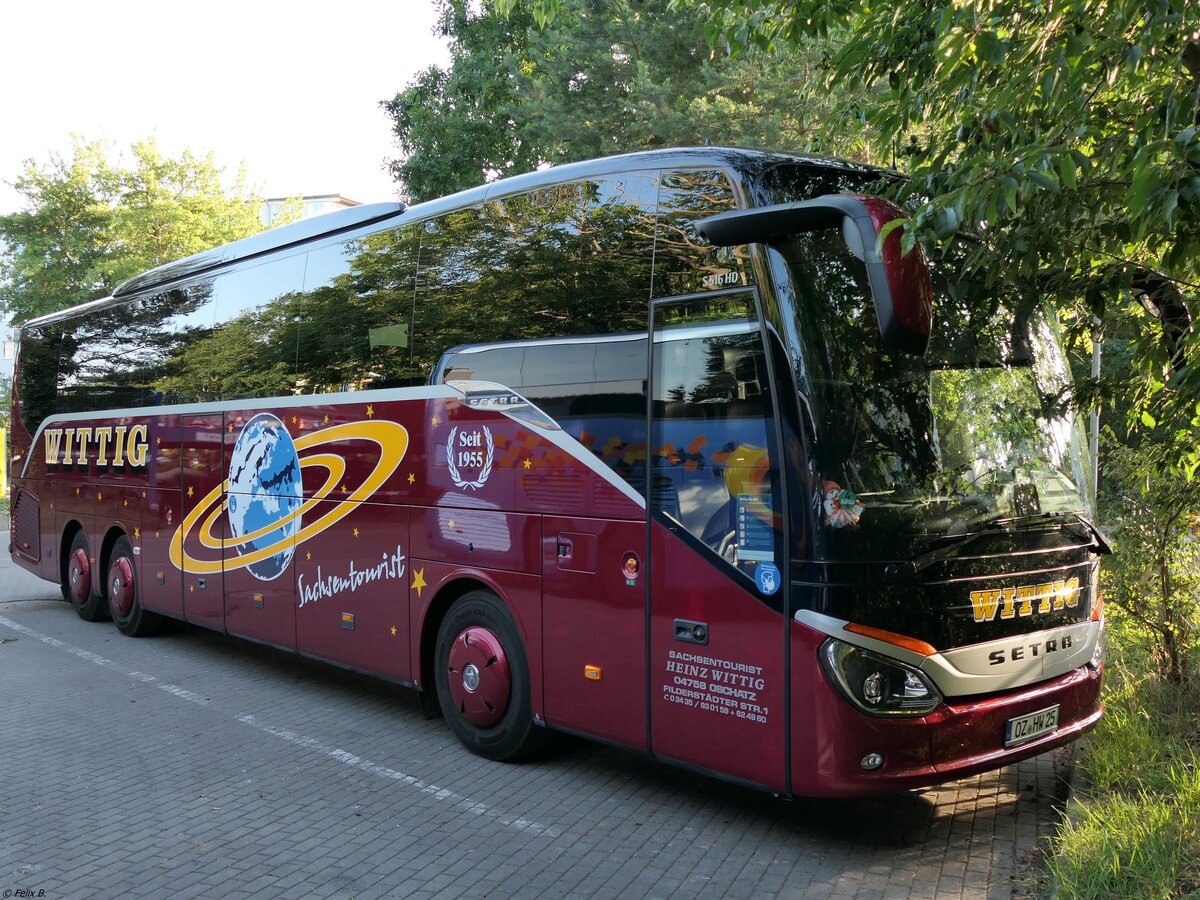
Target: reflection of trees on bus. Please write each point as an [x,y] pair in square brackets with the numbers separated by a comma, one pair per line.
[581,258]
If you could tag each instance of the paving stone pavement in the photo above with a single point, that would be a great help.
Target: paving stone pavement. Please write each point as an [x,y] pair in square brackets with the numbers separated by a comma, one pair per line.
[197,765]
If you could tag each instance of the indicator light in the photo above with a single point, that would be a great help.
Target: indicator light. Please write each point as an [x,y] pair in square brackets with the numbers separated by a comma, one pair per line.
[592,673]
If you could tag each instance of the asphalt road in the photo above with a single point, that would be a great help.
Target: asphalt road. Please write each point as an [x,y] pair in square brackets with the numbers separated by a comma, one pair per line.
[196,765]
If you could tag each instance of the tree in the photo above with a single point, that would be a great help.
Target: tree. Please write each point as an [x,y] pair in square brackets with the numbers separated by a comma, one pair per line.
[90,222]
[1154,578]
[1062,137]
[608,77]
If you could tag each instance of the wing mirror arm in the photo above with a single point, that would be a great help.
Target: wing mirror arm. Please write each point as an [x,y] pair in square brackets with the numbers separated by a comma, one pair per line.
[900,283]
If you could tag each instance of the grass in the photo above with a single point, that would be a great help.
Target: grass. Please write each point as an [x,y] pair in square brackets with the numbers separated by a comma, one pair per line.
[1135,830]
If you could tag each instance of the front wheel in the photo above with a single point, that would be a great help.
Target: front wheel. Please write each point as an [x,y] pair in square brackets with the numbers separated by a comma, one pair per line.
[124,601]
[483,681]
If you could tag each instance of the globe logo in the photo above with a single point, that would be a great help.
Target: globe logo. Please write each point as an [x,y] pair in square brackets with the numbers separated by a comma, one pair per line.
[265,494]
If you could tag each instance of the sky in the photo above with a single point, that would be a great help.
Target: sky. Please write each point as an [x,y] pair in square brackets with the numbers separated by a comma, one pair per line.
[290,89]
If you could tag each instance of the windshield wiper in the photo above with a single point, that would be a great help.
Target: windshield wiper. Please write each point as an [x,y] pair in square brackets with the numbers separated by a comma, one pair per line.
[911,567]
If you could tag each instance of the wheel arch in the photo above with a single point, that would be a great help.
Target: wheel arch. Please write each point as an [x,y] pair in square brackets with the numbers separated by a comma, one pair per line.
[72,528]
[114,534]
[438,607]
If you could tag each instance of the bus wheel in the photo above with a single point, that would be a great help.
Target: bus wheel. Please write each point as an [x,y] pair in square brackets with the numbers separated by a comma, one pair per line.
[77,587]
[121,586]
[483,679]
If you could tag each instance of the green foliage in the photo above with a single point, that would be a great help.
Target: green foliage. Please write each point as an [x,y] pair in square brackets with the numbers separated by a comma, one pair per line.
[1065,136]
[90,223]
[1136,832]
[1154,577]
[601,78]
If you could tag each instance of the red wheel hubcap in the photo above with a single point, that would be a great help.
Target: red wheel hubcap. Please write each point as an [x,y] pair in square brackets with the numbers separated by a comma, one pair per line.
[120,586]
[79,576]
[480,682]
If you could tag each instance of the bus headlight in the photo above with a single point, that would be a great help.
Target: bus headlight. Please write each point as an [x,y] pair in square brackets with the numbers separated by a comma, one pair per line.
[875,684]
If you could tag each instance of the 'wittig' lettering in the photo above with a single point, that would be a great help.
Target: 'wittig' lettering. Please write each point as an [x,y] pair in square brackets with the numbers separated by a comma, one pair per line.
[116,446]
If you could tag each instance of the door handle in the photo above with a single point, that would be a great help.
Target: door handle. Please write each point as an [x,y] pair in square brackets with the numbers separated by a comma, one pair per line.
[691,632]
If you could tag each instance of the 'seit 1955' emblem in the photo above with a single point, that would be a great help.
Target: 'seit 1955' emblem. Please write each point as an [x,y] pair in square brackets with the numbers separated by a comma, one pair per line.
[470,452]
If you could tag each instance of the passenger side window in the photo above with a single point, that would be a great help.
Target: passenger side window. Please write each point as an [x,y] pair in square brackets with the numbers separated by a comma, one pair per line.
[355,316]
[254,344]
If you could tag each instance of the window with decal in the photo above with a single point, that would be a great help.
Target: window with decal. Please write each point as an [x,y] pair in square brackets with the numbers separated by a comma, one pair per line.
[714,474]
[684,262]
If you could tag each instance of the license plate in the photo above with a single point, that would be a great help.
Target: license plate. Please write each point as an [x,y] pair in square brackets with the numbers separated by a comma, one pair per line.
[1034,725]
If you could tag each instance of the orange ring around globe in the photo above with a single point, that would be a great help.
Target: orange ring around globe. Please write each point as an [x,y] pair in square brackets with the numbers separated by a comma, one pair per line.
[331,461]
[392,439]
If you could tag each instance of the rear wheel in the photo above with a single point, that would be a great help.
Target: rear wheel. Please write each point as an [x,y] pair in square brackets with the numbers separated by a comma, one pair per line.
[482,679]
[77,586]
[121,587]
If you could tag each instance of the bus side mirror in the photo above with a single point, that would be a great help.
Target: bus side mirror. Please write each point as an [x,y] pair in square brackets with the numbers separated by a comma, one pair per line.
[900,283]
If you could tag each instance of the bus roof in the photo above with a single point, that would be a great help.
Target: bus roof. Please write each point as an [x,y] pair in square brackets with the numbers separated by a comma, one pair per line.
[745,161]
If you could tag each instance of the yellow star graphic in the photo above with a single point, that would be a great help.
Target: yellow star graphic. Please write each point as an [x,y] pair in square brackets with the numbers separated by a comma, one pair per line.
[411,478]
[158,442]
[125,503]
[156,535]
[343,488]
[393,631]
[99,495]
[356,532]
[308,555]
[327,420]
[370,410]
[435,421]
[418,581]
[451,523]
[190,491]
[143,495]
[295,420]
[528,463]
[230,428]
[191,589]
[137,533]
[76,492]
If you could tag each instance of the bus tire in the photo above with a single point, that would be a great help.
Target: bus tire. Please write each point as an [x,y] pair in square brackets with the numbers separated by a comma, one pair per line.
[482,677]
[78,585]
[122,589]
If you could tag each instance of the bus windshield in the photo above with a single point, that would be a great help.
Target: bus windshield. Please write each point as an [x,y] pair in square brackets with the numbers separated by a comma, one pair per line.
[911,449]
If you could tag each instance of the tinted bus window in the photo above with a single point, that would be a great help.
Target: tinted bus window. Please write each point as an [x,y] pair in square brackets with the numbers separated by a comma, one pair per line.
[618,250]
[355,316]
[685,263]
[253,348]
[37,374]
[174,360]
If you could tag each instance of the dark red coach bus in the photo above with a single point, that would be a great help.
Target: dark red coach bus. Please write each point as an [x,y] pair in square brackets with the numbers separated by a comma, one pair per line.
[664,449]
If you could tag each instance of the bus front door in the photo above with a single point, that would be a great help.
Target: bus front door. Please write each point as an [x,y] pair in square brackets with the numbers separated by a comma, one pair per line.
[717,669]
